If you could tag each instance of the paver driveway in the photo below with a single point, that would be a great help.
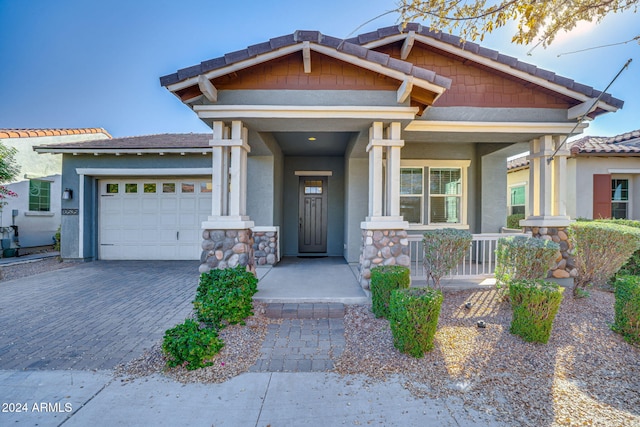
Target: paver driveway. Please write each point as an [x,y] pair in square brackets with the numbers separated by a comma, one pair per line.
[93,315]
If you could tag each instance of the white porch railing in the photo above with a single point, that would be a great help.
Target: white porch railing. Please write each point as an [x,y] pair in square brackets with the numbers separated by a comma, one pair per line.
[479,262]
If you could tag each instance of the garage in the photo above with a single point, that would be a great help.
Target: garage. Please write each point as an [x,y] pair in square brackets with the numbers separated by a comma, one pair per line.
[152,218]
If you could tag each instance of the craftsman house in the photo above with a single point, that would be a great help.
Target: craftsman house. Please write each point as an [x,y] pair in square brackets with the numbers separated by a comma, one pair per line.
[324,146]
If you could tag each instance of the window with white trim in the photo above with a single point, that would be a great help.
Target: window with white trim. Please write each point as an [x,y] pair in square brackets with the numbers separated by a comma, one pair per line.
[620,198]
[432,192]
[39,195]
[517,200]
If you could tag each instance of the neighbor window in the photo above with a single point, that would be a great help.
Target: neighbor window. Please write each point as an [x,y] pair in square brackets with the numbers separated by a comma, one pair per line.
[517,200]
[620,198]
[433,194]
[39,195]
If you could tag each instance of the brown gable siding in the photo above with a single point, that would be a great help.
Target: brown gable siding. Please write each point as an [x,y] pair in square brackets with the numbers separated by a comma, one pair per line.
[288,73]
[473,86]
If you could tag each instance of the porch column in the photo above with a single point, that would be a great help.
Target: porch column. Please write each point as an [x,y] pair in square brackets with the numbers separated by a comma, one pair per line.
[384,235]
[227,233]
[547,217]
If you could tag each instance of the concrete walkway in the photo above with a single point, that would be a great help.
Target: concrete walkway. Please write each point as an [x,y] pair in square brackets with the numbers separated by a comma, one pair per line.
[83,398]
[293,279]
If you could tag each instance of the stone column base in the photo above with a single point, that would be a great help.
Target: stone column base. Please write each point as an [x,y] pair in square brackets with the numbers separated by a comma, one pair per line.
[382,247]
[265,245]
[565,266]
[227,249]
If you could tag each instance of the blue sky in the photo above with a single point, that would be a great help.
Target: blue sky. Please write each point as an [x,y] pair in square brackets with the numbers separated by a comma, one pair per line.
[82,63]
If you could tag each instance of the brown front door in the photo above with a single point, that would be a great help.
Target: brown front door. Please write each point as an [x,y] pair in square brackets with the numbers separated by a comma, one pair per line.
[312,212]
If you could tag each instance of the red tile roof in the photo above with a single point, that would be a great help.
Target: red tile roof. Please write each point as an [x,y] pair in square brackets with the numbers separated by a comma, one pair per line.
[517,163]
[624,144]
[31,133]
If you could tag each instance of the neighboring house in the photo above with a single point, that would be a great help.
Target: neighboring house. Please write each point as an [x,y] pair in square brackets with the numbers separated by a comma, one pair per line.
[36,210]
[323,146]
[603,177]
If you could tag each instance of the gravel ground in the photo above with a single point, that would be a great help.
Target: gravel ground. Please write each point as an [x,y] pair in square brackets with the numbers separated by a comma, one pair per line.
[29,268]
[585,375]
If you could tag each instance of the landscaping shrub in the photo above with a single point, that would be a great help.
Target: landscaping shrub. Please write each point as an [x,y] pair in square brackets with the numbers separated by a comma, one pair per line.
[535,304]
[601,248]
[224,296]
[443,250]
[523,258]
[632,266]
[190,346]
[627,308]
[384,280]
[513,221]
[413,317]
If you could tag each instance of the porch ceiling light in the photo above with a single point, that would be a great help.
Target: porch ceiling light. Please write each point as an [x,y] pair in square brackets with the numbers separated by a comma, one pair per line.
[312,138]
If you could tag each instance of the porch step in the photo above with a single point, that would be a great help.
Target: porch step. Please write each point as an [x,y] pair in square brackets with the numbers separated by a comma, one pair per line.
[304,310]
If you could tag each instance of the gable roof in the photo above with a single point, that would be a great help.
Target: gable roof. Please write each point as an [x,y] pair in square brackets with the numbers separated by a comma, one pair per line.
[624,144]
[161,143]
[33,133]
[488,58]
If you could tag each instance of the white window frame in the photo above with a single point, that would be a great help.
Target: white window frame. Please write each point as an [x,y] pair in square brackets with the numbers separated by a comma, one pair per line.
[524,184]
[629,200]
[463,165]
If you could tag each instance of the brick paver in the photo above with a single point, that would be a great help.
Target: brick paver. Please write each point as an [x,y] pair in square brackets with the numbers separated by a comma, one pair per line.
[94,315]
[302,342]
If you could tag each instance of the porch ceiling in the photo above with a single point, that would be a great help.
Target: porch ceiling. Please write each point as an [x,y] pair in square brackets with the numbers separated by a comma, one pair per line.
[321,144]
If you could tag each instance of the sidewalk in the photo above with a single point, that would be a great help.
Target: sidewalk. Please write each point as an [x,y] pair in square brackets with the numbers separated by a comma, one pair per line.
[81,398]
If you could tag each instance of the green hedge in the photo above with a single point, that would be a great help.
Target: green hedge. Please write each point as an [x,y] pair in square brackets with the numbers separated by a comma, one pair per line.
[225,296]
[601,248]
[632,266]
[523,258]
[190,346]
[513,221]
[384,280]
[627,308]
[535,304]
[414,319]
[443,250]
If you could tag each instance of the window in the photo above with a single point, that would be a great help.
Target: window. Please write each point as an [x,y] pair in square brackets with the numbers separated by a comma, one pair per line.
[39,195]
[312,187]
[187,187]
[517,200]
[432,192]
[149,187]
[620,198]
[112,188]
[205,187]
[131,188]
[169,187]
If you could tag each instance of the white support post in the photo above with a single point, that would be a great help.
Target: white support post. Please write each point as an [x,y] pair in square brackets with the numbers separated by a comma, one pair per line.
[229,179]
[559,171]
[546,149]
[375,171]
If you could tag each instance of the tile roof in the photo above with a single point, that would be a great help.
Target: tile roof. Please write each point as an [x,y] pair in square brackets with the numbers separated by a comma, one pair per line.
[31,133]
[298,37]
[494,55]
[517,163]
[159,141]
[624,144]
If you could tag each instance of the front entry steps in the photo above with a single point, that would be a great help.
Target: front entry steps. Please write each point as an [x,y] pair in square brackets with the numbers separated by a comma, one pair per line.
[305,310]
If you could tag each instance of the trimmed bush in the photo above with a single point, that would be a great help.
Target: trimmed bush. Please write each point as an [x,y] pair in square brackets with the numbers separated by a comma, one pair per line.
[190,346]
[513,221]
[627,308]
[523,258]
[535,304]
[413,319]
[443,250]
[225,296]
[601,248]
[384,280]
[632,266]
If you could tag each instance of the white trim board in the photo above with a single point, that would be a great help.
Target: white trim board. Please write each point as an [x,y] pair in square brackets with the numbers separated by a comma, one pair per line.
[144,171]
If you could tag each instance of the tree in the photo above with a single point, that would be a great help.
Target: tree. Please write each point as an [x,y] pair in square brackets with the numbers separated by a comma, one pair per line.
[8,171]
[537,20]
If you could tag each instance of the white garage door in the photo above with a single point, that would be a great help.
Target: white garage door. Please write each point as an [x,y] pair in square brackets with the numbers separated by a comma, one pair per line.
[152,219]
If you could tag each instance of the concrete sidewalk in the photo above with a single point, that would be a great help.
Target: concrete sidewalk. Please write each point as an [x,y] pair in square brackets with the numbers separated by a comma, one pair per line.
[82,398]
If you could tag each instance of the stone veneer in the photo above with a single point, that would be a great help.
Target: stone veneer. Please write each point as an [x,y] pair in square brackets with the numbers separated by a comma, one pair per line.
[265,247]
[565,262]
[227,248]
[382,247]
